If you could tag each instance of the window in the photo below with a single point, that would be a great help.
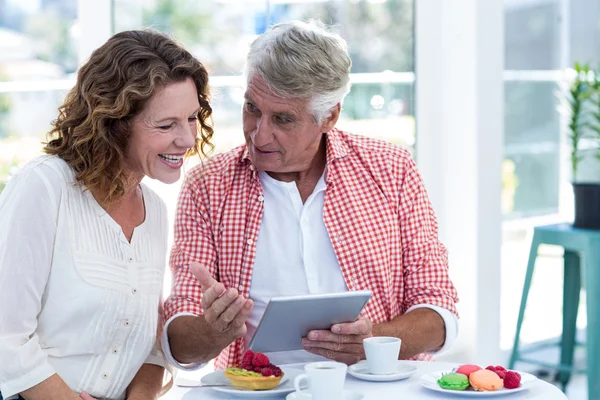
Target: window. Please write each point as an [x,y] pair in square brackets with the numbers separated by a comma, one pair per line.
[219,32]
[37,58]
[532,140]
[532,124]
[542,38]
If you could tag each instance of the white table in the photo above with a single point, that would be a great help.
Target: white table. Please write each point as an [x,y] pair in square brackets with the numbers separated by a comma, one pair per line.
[404,389]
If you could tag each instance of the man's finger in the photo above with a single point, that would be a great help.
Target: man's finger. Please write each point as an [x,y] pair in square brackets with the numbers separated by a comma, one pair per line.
[243,315]
[221,304]
[326,336]
[210,295]
[350,348]
[233,310]
[86,396]
[345,358]
[228,316]
[204,277]
[361,326]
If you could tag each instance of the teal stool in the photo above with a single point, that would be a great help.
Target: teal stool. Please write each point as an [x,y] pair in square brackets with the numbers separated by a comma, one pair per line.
[579,244]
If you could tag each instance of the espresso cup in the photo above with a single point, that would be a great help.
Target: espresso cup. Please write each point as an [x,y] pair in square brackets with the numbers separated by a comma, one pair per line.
[325,380]
[382,354]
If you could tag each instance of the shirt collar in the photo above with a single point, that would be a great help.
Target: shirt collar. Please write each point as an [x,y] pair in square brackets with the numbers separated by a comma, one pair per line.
[336,146]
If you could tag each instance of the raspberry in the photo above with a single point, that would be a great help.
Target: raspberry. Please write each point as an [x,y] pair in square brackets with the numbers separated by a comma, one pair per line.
[247,366]
[260,360]
[512,380]
[247,358]
[277,371]
[257,369]
[498,369]
[267,371]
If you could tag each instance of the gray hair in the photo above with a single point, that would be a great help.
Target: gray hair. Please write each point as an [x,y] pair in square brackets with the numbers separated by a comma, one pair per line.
[302,60]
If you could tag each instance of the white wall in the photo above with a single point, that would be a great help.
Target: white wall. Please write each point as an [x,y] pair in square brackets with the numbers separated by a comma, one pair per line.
[459,94]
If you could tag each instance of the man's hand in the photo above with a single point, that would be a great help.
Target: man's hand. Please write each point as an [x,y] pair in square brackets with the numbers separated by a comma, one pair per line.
[343,342]
[85,396]
[225,310]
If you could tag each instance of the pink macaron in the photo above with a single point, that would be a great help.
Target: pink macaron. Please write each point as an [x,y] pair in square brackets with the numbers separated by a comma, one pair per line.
[468,369]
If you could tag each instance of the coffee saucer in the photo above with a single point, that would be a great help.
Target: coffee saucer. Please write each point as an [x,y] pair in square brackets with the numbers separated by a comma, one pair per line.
[305,395]
[403,370]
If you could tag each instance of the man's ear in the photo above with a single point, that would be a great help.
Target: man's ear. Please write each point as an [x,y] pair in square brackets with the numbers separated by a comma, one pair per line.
[332,119]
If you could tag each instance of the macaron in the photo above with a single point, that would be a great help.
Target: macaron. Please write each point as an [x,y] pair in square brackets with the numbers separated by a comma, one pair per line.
[468,369]
[485,380]
[454,381]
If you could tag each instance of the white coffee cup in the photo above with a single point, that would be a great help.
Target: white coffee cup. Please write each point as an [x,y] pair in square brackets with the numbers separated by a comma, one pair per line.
[382,354]
[325,380]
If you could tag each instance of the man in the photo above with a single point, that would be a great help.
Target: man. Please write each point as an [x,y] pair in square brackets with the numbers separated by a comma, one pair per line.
[304,208]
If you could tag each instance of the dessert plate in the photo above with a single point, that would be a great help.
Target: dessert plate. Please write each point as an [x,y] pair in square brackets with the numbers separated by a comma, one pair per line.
[346,395]
[222,384]
[430,382]
[360,370]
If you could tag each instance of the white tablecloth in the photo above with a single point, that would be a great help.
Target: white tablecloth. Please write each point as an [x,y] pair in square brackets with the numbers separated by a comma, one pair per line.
[408,389]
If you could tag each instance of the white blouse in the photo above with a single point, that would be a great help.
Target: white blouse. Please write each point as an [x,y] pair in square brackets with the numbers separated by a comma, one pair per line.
[76,298]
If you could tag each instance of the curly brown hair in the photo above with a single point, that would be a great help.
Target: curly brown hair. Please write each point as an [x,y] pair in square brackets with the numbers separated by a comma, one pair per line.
[91,132]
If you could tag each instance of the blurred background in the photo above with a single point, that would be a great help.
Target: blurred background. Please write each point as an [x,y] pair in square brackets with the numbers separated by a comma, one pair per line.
[403,82]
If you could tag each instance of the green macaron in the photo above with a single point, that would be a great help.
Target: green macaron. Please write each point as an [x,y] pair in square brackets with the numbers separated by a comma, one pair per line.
[454,381]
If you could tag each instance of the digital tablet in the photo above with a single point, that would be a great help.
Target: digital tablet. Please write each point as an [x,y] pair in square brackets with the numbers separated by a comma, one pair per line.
[288,319]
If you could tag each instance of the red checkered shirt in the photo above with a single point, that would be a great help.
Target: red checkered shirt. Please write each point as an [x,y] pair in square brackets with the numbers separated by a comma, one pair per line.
[376,211]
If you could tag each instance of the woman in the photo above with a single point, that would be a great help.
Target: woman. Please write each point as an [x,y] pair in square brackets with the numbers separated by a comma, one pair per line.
[82,260]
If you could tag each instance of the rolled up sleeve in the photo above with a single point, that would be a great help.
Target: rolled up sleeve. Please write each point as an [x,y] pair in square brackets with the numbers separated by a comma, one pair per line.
[425,258]
[192,242]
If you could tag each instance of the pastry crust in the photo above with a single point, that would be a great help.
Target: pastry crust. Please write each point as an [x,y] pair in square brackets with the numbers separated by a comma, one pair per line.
[254,382]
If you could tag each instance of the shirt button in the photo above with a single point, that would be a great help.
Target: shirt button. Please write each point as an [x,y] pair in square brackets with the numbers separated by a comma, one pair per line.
[134,290]
[250,241]
[115,351]
[130,259]
[126,322]
[261,198]
[104,376]
[240,288]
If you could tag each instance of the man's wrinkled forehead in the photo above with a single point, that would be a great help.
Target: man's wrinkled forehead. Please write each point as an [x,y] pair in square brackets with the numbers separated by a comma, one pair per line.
[258,92]
[257,83]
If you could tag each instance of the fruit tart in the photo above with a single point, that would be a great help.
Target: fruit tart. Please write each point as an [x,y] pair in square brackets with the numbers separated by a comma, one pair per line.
[255,372]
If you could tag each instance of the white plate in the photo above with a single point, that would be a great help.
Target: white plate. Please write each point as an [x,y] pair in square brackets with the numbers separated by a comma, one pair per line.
[430,382]
[285,386]
[360,370]
[346,395]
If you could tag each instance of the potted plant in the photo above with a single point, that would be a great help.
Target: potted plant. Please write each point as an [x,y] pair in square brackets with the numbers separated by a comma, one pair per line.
[584,127]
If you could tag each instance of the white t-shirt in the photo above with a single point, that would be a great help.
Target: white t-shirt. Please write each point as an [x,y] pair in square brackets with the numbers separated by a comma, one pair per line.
[76,298]
[294,255]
